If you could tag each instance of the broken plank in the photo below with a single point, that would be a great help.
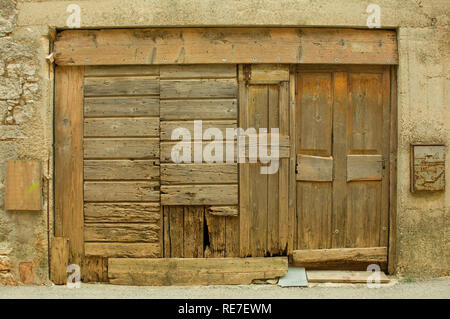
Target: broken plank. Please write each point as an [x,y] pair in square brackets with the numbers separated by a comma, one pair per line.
[193,231]
[199,195]
[223,211]
[216,236]
[194,271]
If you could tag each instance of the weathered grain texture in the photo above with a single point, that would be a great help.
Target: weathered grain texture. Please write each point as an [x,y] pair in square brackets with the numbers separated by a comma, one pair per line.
[231,236]
[167,127]
[269,73]
[95,269]
[194,271]
[340,102]
[173,233]
[364,167]
[198,174]
[131,250]
[137,148]
[218,109]
[121,232]
[121,70]
[199,195]
[23,186]
[121,212]
[121,170]
[216,236]
[112,86]
[273,182]
[335,276]
[59,260]
[193,231]
[283,171]
[121,191]
[340,258]
[244,173]
[201,71]
[223,211]
[69,158]
[225,45]
[121,127]
[313,137]
[198,88]
[314,168]
[121,106]
[292,237]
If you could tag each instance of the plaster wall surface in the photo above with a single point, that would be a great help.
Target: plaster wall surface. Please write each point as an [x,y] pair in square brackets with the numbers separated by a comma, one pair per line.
[26,101]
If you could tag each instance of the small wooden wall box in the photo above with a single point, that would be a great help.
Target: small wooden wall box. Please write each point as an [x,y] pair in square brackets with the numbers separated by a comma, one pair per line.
[23,186]
[427,167]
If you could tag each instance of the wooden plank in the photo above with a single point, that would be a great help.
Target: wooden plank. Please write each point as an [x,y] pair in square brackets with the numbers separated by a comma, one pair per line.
[59,260]
[199,195]
[193,231]
[258,105]
[167,127]
[175,226]
[95,269]
[140,148]
[198,88]
[121,232]
[130,250]
[201,71]
[112,86]
[121,106]
[23,186]
[340,258]
[283,171]
[392,254]
[69,158]
[231,236]
[364,167]
[335,276]
[219,109]
[121,212]
[273,186]
[225,211]
[194,271]
[292,238]
[225,45]
[269,73]
[121,191]
[216,236]
[121,170]
[121,70]
[121,127]
[198,174]
[340,102]
[244,173]
[314,168]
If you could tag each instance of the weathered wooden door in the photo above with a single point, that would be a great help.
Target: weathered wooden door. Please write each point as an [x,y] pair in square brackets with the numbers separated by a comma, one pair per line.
[342,145]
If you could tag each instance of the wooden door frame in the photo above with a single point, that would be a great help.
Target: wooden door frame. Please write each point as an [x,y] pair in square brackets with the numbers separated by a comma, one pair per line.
[71,59]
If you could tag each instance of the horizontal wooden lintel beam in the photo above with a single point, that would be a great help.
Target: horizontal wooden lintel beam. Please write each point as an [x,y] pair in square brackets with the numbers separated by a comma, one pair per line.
[226,45]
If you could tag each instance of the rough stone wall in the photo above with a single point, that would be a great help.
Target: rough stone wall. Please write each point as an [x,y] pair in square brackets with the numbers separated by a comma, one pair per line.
[23,235]
[26,101]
